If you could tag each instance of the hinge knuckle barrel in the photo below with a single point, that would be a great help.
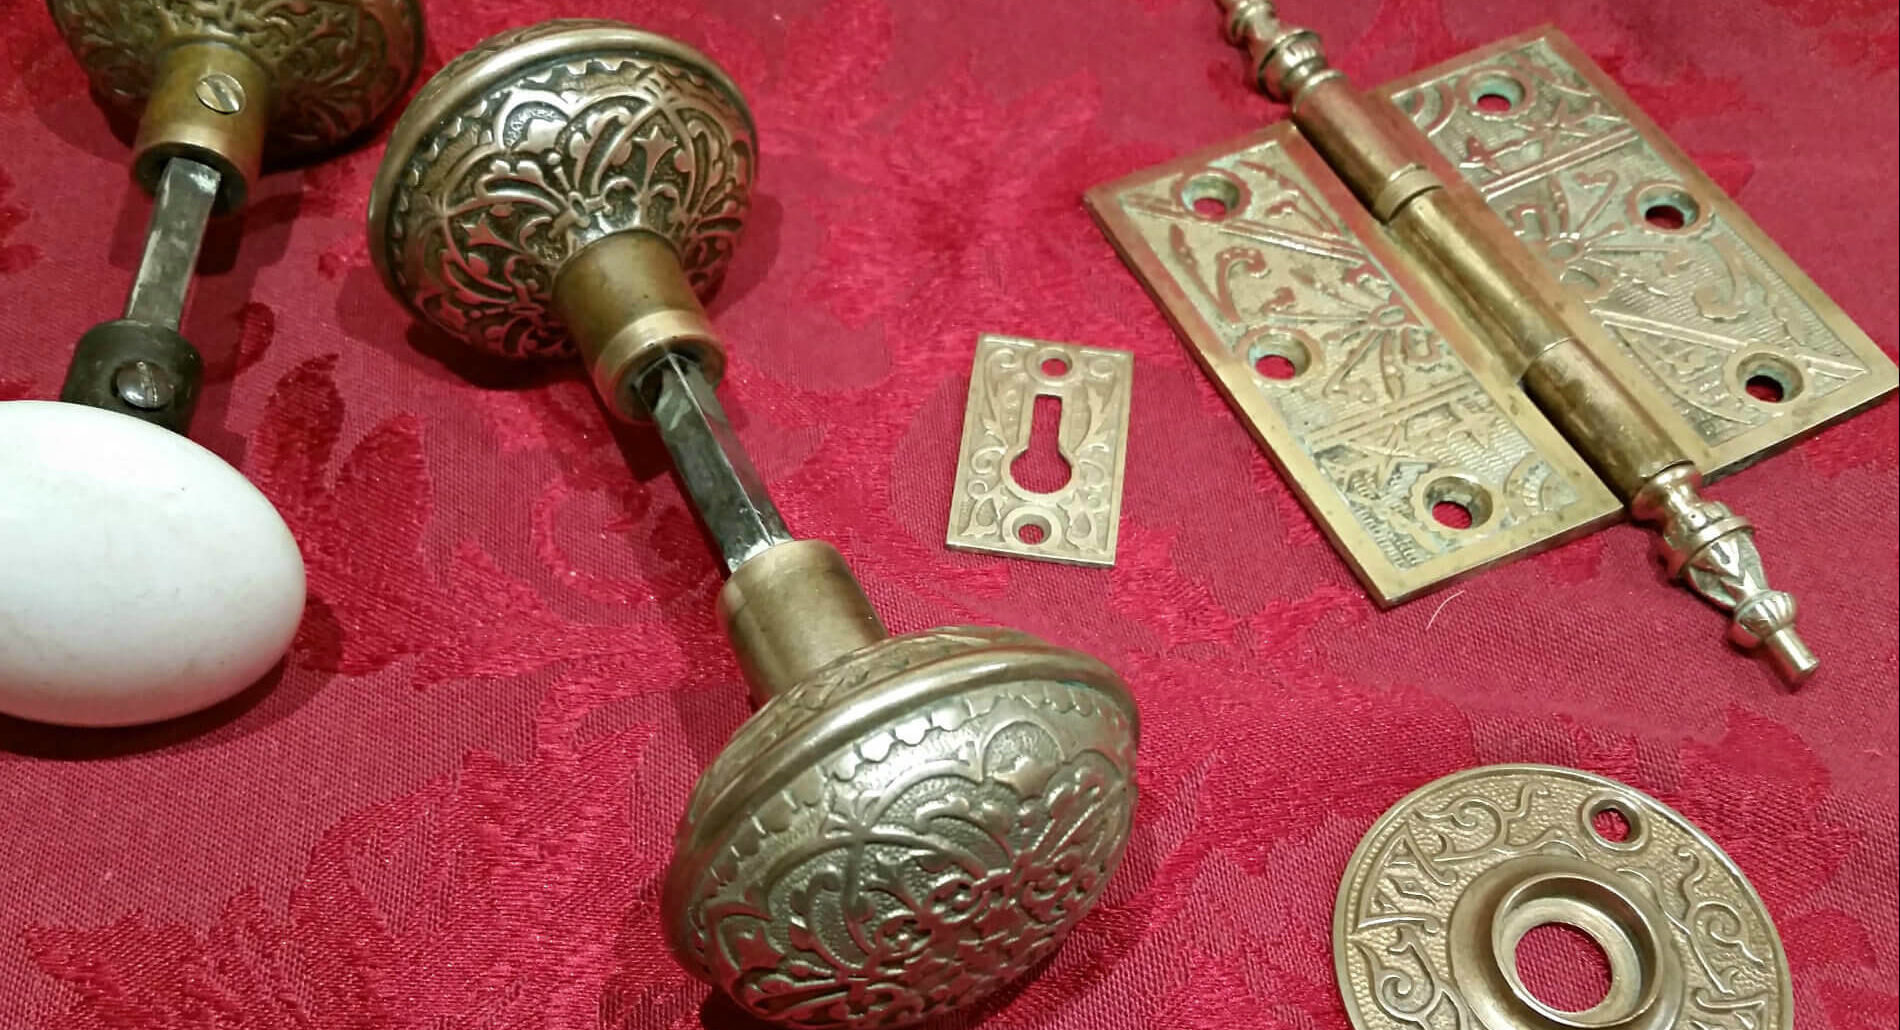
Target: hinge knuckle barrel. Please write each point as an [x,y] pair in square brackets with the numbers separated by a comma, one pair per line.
[1490,272]
[1537,329]
[1542,335]
[1358,136]
[1530,319]
[1619,437]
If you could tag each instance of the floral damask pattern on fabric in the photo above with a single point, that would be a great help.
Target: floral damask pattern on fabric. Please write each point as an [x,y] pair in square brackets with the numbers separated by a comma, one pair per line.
[452,806]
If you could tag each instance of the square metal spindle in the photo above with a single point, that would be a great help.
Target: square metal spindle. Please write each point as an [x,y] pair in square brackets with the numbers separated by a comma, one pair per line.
[719,478]
[180,209]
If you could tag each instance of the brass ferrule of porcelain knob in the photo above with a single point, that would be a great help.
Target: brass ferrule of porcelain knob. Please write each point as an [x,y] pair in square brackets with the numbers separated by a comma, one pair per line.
[906,824]
[216,88]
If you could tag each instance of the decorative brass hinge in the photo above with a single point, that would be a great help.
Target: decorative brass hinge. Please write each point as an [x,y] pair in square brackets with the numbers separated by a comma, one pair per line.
[1487,307]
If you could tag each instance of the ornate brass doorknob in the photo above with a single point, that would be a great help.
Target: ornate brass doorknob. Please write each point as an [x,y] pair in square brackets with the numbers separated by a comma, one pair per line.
[906,824]
[216,85]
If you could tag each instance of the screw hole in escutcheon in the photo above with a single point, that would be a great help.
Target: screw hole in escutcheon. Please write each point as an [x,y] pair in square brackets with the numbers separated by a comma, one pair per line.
[1769,379]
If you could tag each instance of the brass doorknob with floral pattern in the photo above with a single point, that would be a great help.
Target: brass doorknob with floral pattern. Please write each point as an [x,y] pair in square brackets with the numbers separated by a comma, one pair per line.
[907,823]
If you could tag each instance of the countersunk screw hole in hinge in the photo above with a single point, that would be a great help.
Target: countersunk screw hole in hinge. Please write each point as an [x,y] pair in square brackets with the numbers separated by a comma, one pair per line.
[1497,93]
[1279,358]
[1213,196]
[1668,209]
[1769,378]
[1458,503]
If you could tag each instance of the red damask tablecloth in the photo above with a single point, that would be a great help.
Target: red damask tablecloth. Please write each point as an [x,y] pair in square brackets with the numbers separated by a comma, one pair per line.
[452,806]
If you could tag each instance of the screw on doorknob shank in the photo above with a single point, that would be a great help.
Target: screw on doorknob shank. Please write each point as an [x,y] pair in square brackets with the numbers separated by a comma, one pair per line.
[221,93]
[332,66]
[539,142]
[906,830]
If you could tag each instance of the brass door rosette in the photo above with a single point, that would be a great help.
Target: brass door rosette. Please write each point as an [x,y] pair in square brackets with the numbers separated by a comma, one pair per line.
[1443,889]
[907,823]
[216,87]
[1488,307]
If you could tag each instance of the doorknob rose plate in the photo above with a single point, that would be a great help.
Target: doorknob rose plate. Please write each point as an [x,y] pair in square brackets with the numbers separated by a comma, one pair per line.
[521,153]
[1447,883]
[333,66]
[906,830]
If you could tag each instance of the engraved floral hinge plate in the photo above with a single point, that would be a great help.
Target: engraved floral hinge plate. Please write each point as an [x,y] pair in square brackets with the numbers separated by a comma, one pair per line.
[1076,523]
[1375,396]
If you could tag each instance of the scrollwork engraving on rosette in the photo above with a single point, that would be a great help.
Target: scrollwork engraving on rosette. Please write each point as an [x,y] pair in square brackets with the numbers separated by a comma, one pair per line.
[334,65]
[923,865]
[1410,872]
[1701,907]
[500,193]
[1408,990]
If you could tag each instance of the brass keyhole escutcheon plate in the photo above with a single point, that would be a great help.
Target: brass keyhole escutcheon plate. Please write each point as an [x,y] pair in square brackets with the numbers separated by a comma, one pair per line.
[1446,884]
[1078,522]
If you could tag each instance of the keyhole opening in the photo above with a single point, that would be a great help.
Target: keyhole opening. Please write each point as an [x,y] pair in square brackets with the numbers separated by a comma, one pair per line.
[1041,468]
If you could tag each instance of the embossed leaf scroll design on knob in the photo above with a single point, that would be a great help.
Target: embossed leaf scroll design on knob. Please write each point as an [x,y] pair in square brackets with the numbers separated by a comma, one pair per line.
[906,830]
[907,824]
[334,66]
[540,141]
